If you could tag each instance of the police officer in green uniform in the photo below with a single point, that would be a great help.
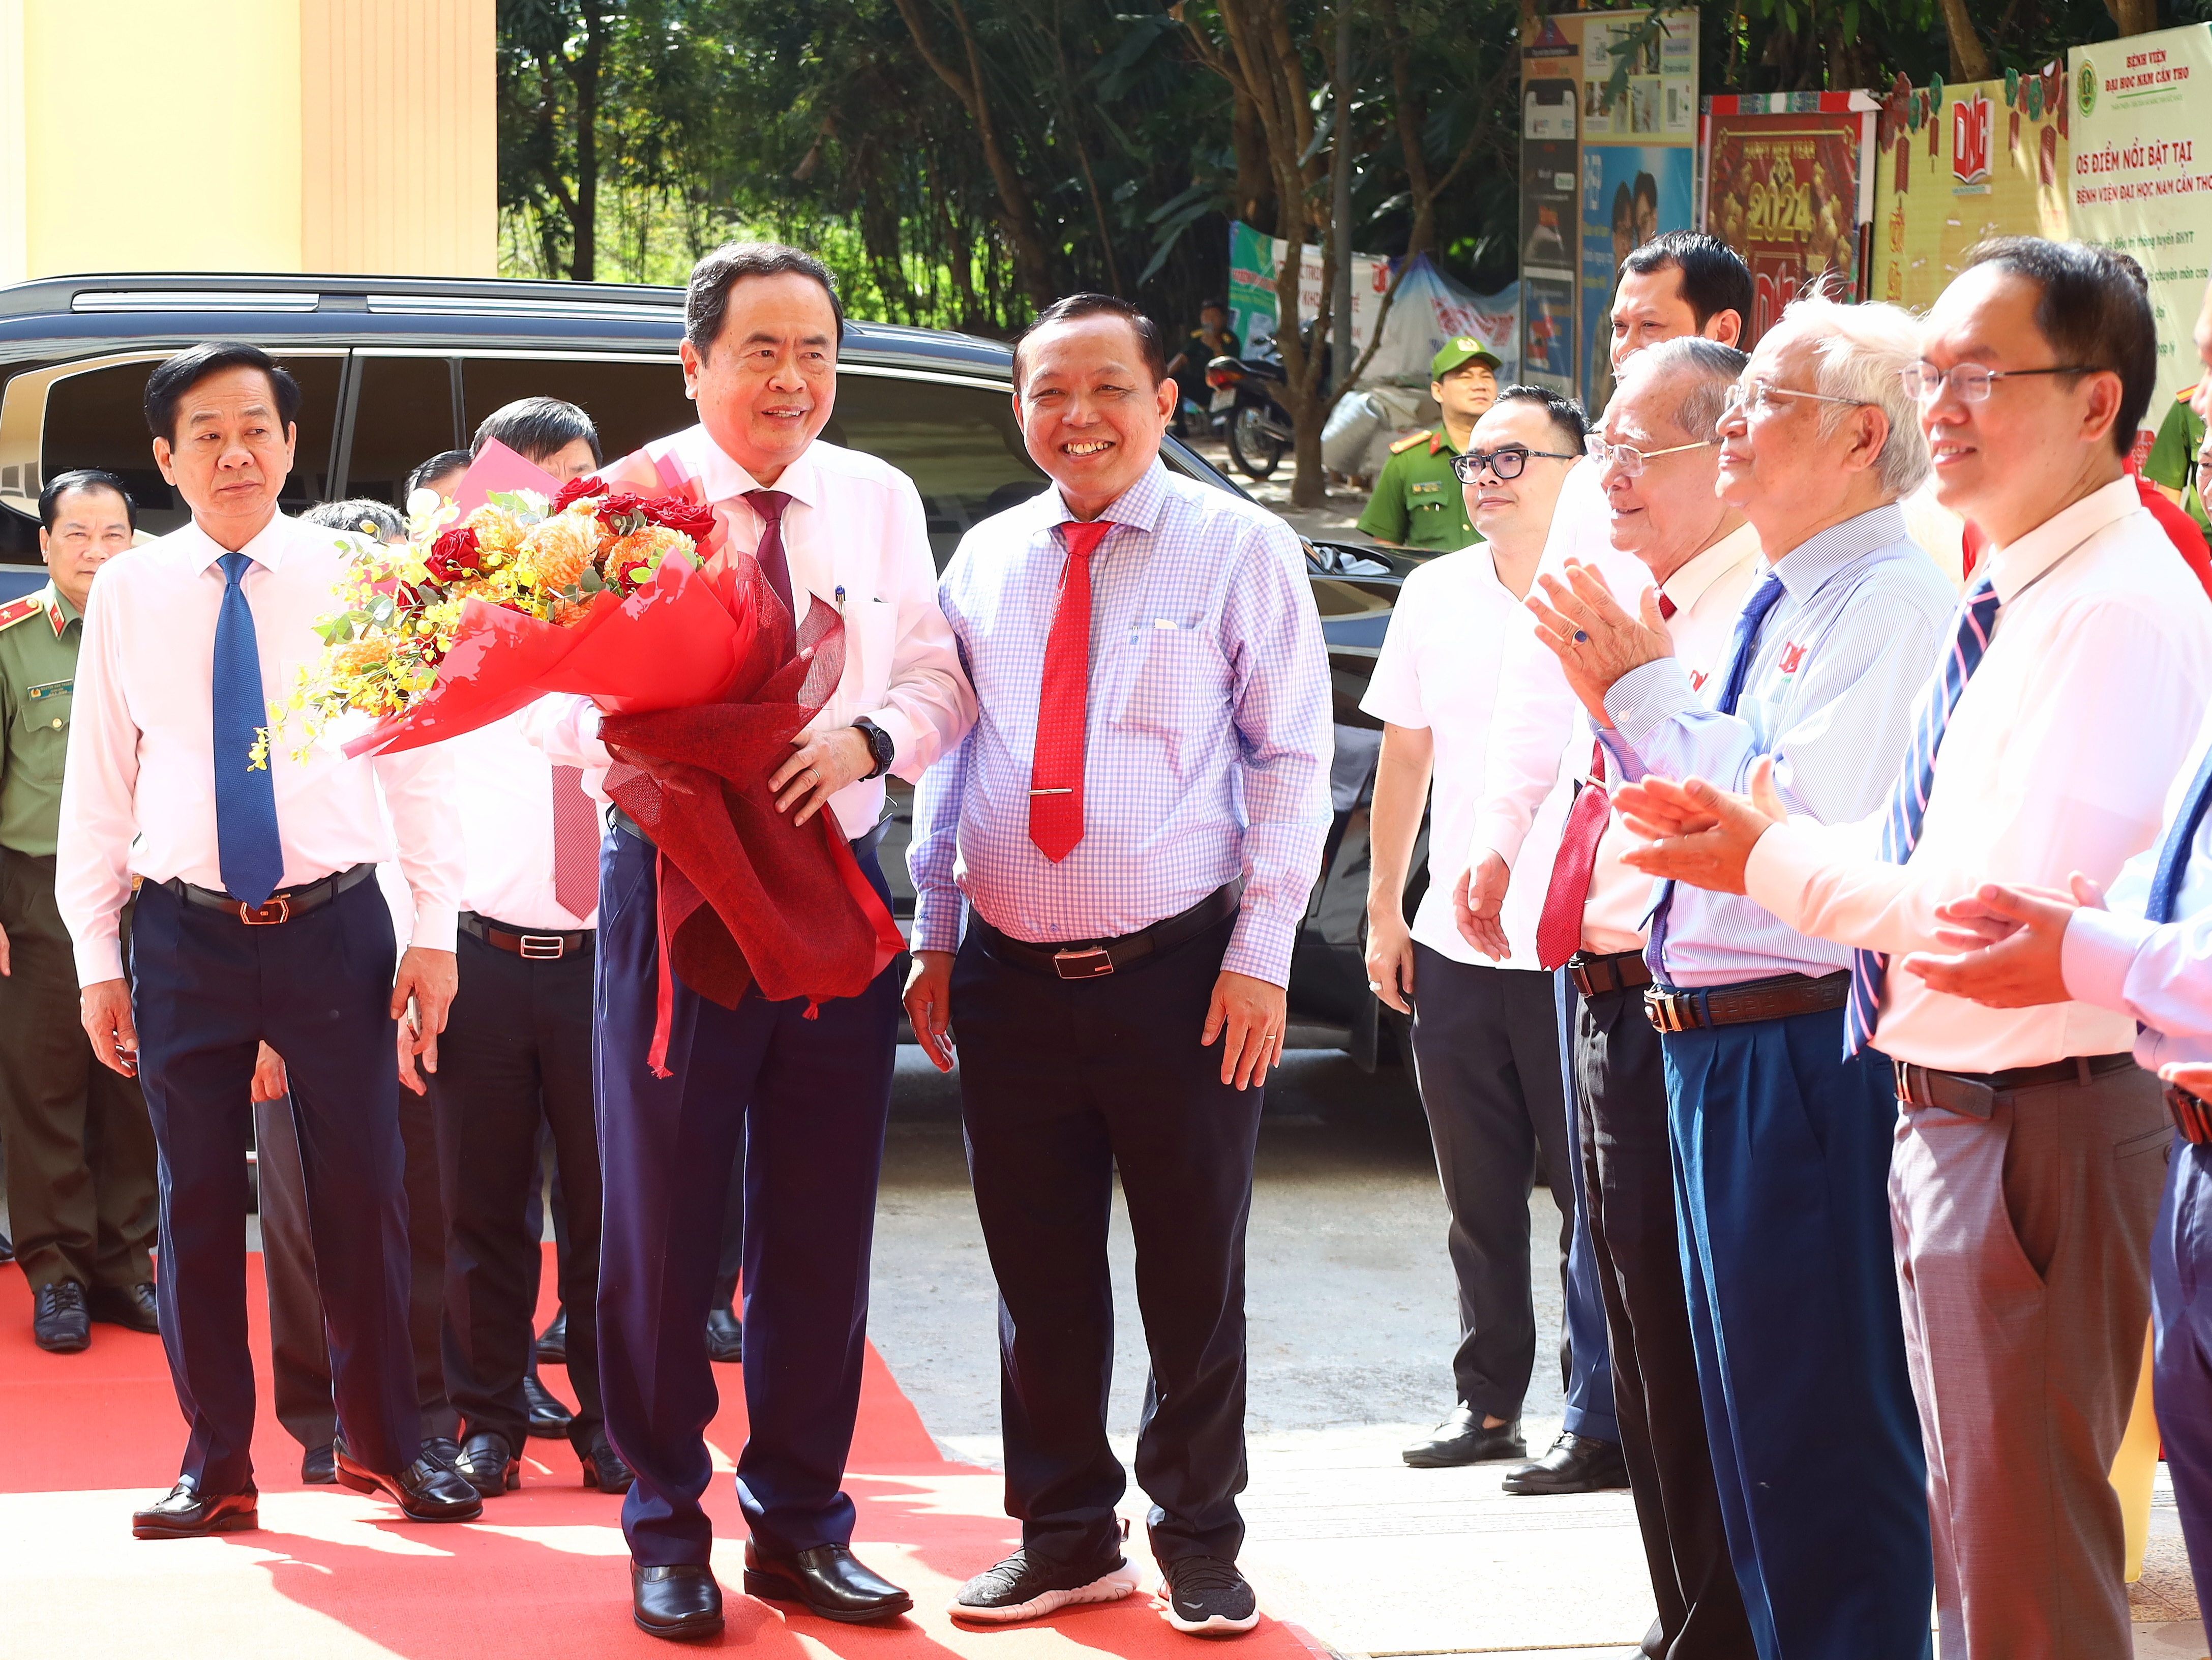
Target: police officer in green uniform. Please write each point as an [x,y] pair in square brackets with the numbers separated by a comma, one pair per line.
[1417,504]
[81,1182]
[2172,458]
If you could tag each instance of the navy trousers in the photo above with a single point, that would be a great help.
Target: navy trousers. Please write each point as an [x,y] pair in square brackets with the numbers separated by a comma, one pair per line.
[207,990]
[1589,1360]
[807,1100]
[1782,1182]
[2181,1316]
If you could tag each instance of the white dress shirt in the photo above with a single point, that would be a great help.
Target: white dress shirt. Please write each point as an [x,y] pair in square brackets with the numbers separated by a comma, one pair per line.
[1540,744]
[138,799]
[504,786]
[1438,672]
[2056,759]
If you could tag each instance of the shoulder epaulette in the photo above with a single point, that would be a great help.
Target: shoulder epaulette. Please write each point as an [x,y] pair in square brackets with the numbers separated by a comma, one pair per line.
[1412,439]
[2184,394]
[20,611]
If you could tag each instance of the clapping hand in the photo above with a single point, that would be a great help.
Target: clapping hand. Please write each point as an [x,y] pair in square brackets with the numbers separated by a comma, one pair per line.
[2010,942]
[1596,640]
[1696,833]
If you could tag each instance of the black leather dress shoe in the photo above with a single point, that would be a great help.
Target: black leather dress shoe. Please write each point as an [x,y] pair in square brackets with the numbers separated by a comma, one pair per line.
[603,1468]
[827,1580]
[679,1602]
[126,1305]
[1461,1440]
[60,1323]
[725,1337]
[1576,1463]
[187,1513]
[426,1490]
[318,1466]
[549,1419]
[553,1341]
[488,1464]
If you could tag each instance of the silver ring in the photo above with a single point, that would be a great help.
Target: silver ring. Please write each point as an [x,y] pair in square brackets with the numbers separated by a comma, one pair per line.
[1374,985]
[1581,638]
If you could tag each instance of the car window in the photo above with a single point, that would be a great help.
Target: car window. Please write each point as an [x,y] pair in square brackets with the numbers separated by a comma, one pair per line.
[98,419]
[403,415]
[631,403]
[959,445]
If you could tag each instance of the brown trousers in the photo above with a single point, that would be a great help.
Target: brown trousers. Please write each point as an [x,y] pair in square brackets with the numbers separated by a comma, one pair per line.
[2023,1254]
[80,1163]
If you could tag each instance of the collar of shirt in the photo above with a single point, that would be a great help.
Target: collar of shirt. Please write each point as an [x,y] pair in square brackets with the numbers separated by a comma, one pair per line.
[59,611]
[725,479]
[1138,506]
[198,550]
[2014,566]
[1686,586]
[1818,557]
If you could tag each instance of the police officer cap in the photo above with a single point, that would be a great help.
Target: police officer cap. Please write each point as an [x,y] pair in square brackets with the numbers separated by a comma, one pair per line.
[1463,348]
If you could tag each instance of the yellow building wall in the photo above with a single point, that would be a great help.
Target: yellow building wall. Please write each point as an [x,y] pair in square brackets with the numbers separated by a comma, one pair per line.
[248,135]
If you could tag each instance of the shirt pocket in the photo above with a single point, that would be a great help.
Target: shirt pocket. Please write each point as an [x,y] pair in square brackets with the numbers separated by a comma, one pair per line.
[870,642]
[45,707]
[1179,688]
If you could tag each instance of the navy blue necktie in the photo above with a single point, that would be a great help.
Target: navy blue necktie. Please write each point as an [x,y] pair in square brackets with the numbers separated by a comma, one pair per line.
[247,849]
[2174,852]
[1741,653]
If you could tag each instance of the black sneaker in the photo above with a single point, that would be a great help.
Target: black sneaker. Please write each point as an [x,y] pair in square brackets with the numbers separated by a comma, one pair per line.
[1025,1587]
[1207,1598]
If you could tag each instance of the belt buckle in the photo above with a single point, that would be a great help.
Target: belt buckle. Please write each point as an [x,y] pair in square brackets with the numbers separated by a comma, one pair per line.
[259,916]
[541,947]
[1659,1009]
[2190,1115]
[1083,965]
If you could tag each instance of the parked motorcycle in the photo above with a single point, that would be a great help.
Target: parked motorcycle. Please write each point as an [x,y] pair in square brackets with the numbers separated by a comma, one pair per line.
[1248,392]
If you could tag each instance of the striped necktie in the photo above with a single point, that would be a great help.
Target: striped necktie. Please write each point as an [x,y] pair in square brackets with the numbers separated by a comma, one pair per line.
[1908,802]
[2174,852]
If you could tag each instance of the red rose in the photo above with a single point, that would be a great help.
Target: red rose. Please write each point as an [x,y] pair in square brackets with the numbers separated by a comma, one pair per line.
[675,512]
[453,554]
[622,504]
[575,489]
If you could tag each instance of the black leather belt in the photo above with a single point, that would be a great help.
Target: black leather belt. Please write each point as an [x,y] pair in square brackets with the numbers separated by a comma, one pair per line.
[1622,971]
[532,945]
[865,842]
[2191,1117]
[278,907]
[1778,998]
[1975,1093]
[1087,959]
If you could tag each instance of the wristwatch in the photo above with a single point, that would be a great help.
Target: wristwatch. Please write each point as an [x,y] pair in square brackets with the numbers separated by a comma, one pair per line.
[880,745]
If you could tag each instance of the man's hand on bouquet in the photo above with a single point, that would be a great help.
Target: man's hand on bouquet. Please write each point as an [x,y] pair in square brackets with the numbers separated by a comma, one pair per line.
[2010,943]
[105,1007]
[422,992]
[1695,833]
[1248,1016]
[929,1005]
[269,1083]
[822,764]
[1479,905]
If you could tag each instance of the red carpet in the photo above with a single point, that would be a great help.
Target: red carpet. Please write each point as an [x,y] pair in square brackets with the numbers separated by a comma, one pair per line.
[85,1439]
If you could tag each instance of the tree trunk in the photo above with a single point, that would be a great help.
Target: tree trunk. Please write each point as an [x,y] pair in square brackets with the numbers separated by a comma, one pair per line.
[1256,184]
[584,249]
[2133,16]
[1969,62]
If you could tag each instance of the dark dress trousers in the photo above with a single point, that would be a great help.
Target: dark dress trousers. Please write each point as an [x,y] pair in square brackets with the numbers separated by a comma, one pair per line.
[80,1183]
[207,990]
[1486,1052]
[1628,1179]
[1064,1083]
[1589,1352]
[807,1099]
[516,1055]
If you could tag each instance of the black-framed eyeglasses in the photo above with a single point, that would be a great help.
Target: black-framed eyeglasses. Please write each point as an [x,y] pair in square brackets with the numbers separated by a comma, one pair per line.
[1507,464]
[1924,382]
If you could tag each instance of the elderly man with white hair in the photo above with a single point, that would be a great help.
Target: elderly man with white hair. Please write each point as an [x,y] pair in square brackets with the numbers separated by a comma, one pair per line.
[1782,1149]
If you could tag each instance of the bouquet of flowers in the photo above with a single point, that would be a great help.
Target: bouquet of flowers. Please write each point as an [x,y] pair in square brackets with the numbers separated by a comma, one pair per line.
[629,599]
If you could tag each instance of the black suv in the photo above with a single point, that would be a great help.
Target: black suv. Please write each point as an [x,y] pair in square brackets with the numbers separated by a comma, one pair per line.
[392,370]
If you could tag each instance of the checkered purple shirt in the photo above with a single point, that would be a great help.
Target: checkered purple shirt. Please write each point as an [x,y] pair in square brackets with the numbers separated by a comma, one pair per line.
[1207,749]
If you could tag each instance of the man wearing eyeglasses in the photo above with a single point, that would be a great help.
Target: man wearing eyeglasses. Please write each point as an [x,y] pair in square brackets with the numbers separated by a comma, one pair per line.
[2030,1149]
[1485,1052]
[1793,1304]
[1690,555]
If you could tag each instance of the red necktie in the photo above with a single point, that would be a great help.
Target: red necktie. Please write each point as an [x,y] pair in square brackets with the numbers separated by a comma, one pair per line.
[575,845]
[1559,929]
[770,504]
[1666,609]
[1063,695]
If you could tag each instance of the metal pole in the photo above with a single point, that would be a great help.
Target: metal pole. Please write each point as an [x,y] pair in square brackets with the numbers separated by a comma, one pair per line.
[1341,206]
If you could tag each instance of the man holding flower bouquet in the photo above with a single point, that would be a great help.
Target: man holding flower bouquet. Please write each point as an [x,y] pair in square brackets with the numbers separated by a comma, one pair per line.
[840,538]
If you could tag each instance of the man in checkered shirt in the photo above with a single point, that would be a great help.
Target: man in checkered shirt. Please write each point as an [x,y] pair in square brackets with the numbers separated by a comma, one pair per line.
[1135,823]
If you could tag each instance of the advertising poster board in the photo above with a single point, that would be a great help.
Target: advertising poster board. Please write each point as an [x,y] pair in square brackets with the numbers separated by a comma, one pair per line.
[1789,184]
[1956,164]
[1580,144]
[2142,176]
[1251,284]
